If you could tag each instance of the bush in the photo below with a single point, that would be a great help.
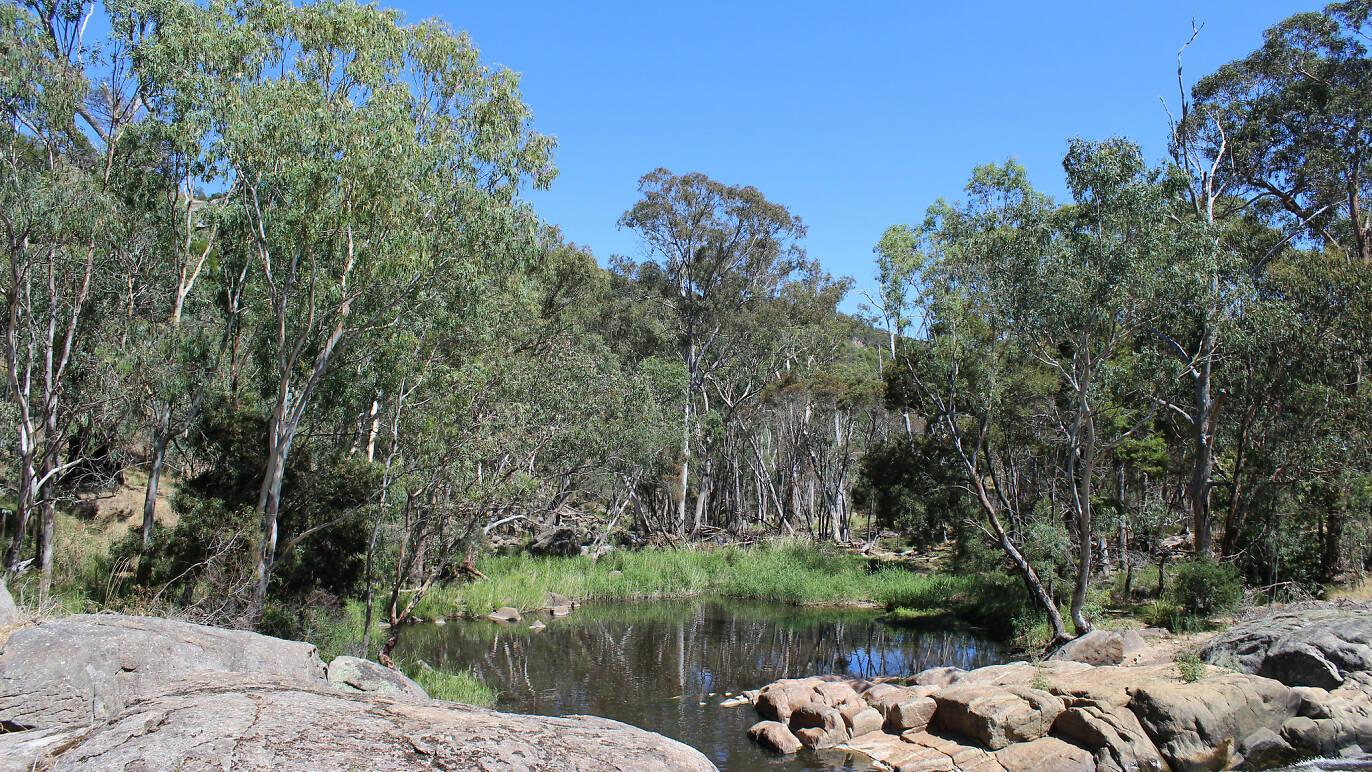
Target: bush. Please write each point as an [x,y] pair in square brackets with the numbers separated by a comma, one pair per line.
[1203,588]
[1163,613]
[1189,665]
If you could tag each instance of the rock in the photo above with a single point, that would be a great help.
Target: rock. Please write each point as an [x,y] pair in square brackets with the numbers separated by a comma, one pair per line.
[1338,736]
[505,615]
[1307,646]
[558,542]
[1112,733]
[902,708]
[836,693]
[9,612]
[1046,754]
[1265,749]
[776,701]
[1198,726]
[997,716]
[774,736]
[861,719]
[818,725]
[958,756]
[85,668]
[879,746]
[537,626]
[1108,686]
[938,676]
[913,713]
[351,674]
[1019,673]
[223,721]
[36,749]
[1100,647]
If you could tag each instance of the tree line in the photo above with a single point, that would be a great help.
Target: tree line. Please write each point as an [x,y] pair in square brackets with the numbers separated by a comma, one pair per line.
[279,256]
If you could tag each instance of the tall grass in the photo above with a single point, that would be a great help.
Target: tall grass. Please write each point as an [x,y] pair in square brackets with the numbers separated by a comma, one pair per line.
[795,572]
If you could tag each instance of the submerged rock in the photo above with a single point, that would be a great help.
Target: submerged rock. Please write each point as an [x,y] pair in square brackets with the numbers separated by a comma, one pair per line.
[505,615]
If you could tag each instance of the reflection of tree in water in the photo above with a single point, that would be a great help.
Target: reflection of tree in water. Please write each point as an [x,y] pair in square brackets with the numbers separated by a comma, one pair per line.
[611,654]
[652,664]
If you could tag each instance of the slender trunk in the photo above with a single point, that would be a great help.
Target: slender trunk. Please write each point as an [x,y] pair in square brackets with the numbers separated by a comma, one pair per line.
[159,453]
[1081,468]
[1199,489]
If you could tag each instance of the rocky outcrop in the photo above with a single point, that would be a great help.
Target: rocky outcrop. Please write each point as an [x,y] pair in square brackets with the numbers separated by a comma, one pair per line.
[1115,733]
[226,721]
[86,668]
[136,693]
[1065,716]
[997,716]
[1314,645]
[351,674]
[1201,725]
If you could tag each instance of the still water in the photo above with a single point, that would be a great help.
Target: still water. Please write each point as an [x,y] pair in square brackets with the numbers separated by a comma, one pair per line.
[666,666]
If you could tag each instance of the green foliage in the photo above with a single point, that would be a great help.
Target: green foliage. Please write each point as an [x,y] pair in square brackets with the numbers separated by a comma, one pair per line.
[794,572]
[1189,665]
[910,485]
[462,686]
[1204,588]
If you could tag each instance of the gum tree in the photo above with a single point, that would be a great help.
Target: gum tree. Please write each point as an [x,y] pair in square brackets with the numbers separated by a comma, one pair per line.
[369,160]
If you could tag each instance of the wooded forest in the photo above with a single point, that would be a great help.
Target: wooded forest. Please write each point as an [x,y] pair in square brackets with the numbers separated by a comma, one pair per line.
[274,264]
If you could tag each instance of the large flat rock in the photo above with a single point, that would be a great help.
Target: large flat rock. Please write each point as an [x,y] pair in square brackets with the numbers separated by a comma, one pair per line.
[217,721]
[1199,726]
[1315,645]
[83,669]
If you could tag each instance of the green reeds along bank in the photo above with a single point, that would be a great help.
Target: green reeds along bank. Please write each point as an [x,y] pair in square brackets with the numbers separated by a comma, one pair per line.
[794,572]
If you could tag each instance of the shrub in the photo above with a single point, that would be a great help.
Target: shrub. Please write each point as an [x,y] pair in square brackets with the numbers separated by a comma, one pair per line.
[1189,665]
[1203,587]
[1162,613]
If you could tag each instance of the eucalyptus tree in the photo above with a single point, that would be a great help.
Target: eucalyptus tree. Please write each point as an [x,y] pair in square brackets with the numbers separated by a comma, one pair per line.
[719,250]
[962,372]
[369,159]
[1077,305]
[62,225]
[1297,115]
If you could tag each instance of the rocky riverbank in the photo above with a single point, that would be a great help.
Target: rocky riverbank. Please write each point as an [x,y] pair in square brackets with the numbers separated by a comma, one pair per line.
[1272,690]
[97,692]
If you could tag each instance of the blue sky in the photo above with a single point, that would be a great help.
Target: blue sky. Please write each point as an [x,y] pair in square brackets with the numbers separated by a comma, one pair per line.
[854,115]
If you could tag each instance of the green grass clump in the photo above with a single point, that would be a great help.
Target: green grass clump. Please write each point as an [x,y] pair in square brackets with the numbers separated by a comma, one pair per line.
[1189,665]
[462,686]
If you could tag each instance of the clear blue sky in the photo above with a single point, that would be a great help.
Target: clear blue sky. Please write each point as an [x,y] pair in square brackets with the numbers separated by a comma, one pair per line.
[854,115]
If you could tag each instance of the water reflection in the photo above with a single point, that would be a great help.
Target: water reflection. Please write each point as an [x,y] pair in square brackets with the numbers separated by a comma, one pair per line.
[666,666]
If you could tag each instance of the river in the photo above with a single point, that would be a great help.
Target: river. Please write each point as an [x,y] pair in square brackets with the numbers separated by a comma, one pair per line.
[666,666]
